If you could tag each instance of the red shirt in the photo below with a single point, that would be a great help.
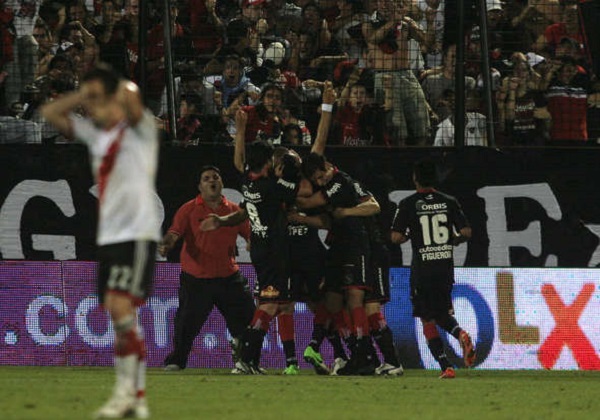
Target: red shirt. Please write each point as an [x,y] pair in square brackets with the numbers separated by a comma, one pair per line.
[207,255]
[256,126]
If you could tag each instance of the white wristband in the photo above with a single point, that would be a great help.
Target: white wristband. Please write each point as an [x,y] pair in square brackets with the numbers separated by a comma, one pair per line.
[326,108]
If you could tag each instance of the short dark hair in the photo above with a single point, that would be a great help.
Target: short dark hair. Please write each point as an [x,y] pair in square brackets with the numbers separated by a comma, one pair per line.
[106,75]
[312,163]
[206,168]
[425,173]
[193,99]
[259,153]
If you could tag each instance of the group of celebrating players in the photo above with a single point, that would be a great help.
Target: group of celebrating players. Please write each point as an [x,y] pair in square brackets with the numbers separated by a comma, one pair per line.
[287,199]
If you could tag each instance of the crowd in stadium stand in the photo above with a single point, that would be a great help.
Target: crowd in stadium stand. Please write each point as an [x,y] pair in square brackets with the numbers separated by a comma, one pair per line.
[391,61]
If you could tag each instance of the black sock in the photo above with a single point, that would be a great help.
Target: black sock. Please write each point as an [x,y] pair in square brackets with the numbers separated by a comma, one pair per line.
[338,348]
[450,324]
[317,337]
[385,342]
[289,349]
[252,345]
[436,347]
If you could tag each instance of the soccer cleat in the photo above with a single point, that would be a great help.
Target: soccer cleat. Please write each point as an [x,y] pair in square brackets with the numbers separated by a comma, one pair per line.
[244,368]
[314,358]
[338,364]
[172,368]
[141,410]
[448,374]
[291,370]
[468,348]
[387,369]
[119,406]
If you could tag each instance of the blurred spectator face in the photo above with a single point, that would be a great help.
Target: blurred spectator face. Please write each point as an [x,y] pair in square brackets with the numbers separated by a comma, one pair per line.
[521,69]
[312,17]
[358,97]
[494,17]
[108,9]
[232,73]
[307,46]
[450,57]
[184,108]
[77,12]
[43,38]
[567,48]
[292,135]
[75,36]
[272,100]
[389,9]
[253,12]
[567,73]
[570,15]
[133,7]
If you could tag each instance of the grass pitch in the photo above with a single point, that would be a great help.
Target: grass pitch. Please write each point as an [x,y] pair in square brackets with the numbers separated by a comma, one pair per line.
[75,393]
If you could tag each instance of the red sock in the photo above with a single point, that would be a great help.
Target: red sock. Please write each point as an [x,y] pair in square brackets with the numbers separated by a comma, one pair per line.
[360,326]
[128,343]
[430,331]
[261,320]
[285,323]
[377,321]
[339,321]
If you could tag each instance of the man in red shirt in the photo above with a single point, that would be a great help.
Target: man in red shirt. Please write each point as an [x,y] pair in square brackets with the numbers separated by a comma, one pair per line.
[209,274]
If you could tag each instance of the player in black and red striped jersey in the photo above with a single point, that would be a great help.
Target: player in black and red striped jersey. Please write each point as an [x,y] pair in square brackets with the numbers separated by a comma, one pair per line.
[429,219]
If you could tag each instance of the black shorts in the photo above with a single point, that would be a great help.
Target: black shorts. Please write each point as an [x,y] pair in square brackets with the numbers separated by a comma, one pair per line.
[127,267]
[431,299]
[273,283]
[379,283]
[307,281]
[345,270]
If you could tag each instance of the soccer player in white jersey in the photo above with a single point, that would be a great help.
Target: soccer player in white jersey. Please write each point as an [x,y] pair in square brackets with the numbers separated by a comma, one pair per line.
[123,144]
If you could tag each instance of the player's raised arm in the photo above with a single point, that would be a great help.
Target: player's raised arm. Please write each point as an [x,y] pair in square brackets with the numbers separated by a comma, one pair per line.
[329,97]
[57,111]
[239,154]
[128,95]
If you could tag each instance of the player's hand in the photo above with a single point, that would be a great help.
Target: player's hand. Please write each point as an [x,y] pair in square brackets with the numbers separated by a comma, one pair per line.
[241,119]
[212,222]
[329,95]
[398,238]
[163,250]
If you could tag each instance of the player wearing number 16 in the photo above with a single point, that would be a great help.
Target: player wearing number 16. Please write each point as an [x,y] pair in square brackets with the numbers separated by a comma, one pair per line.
[429,219]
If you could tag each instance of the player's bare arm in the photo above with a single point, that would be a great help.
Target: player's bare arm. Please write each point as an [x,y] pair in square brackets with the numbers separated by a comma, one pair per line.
[167,243]
[128,96]
[239,154]
[57,111]
[316,200]
[398,237]
[367,208]
[319,221]
[213,221]
[464,235]
[329,97]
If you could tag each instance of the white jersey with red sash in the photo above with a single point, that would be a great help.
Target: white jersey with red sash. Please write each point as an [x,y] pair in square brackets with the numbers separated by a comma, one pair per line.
[124,162]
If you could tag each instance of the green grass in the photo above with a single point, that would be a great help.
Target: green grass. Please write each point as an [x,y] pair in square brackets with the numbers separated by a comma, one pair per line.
[75,393]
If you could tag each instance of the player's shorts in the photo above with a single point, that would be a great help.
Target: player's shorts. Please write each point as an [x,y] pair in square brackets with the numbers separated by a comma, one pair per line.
[431,298]
[344,270]
[273,283]
[379,284]
[128,268]
[307,281]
